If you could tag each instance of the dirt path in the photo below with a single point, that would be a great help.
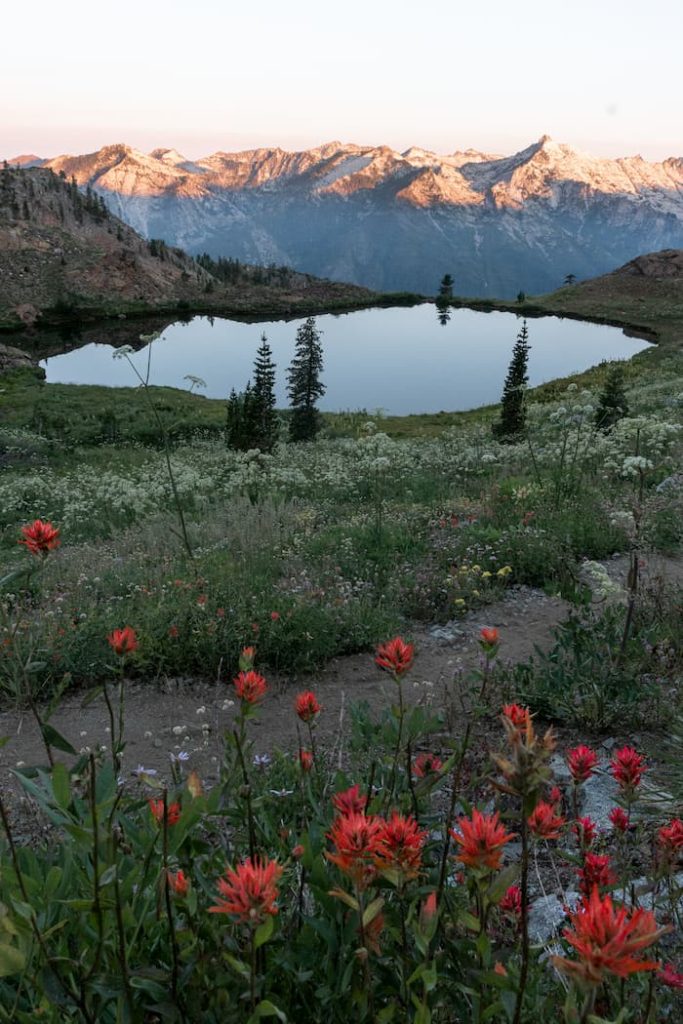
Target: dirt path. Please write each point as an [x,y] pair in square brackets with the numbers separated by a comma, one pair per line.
[193,715]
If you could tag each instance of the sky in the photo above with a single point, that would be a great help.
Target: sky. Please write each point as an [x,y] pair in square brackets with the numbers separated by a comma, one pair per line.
[206,75]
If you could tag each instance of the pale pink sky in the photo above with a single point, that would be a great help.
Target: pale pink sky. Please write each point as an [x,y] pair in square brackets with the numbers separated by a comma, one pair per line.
[603,76]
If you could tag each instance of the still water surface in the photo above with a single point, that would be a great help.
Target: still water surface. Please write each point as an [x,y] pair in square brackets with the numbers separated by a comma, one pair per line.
[400,360]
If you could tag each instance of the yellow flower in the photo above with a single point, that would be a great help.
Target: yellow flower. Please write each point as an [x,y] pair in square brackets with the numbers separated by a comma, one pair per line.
[475,593]
[486,575]
[505,571]
[459,602]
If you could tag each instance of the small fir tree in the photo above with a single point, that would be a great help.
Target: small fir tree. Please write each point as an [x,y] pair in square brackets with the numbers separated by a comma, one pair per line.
[513,401]
[265,422]
[240,419]
[612,403]
[446,287]
[305,387]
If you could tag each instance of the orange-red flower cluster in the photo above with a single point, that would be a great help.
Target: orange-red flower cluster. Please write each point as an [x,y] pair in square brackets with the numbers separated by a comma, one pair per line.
[426,764]
[123,641]
[628,768]
[511,902]
[489,638]
[350,801]
[608,941]
[585,831]
[178,883]
[249,891]
[518,715]
[399,846]
[246,660]
[670,839]
[157,809]
[40,538]
[354,837]
[396,656]
[596,873]
[305,760]
[481,839]
[619,819]
[582,762]
[544,823]
[250,687]
[670,976]
[307,706]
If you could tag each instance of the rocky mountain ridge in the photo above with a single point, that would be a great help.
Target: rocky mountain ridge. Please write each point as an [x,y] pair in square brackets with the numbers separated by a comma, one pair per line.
[65,255]
[391,220]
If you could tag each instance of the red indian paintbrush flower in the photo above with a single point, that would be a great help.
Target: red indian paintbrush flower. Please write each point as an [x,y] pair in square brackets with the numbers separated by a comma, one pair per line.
[396,656]
[481,840]
[350,801]
[426,764]
[355,838]
[670,839]
[608,941]
[628,767]
[305,760]
[172,812]
[307,706]
[40,538]
[123,641]
[428,911]
[518,715]
[511,902]
[619,819]
[178,883]
[582,762]
[399,846]
[544,823]
[585,831]
[489,637]
[250,687]
[246,659]
[249,891]
[670,976]
[596,873]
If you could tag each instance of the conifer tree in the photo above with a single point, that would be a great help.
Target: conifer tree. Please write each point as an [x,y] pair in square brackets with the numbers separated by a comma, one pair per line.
[446,287]
[612,403]
[240,419]
[265,423]
[305,386]
[513,404]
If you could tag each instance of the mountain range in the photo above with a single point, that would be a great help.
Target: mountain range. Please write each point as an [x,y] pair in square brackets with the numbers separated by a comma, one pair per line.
[392,221]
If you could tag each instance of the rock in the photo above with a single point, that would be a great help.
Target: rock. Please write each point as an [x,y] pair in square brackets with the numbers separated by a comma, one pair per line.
[670,485]
[598,796]
[547,915]
[15,359]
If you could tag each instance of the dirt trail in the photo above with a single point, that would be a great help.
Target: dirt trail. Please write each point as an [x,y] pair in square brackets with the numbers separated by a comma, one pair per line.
[192,715]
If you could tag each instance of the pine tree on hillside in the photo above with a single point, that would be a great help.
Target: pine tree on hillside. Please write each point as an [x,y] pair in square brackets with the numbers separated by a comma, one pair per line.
[513,401]
[305,386]
[265,422]
[612,403]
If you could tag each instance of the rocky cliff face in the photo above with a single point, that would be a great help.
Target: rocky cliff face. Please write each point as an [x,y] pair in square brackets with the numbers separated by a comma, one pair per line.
[393,220]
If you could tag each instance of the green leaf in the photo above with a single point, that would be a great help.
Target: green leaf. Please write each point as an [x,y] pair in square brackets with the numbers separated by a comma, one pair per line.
[264,932]
[12,960]
[267,1009]
[61,785]
[372,910]
[56,740]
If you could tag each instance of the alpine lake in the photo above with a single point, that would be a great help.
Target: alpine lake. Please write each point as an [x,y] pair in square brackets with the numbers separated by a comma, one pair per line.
[399,360]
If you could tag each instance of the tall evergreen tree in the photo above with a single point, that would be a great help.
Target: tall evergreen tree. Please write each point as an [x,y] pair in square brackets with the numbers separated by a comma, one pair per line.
[612,403]
[305,386]
[513,402]
[265,423]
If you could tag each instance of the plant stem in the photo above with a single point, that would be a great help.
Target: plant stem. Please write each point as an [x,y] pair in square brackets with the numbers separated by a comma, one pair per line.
[524,970]
[247,795]
[112,726]
[169,911]
[96,902]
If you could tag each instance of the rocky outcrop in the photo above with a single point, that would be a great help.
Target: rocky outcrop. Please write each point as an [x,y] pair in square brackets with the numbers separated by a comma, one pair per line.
[14,359]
